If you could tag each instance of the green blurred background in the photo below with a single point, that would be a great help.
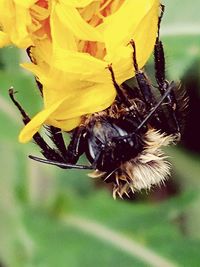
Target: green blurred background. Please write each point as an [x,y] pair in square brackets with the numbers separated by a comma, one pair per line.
[52,217]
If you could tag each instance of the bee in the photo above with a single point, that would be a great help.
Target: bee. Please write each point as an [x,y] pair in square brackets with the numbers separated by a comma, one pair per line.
[123,142]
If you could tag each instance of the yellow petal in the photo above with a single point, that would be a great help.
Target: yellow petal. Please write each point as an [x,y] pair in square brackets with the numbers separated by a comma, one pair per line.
[4,39]
[144,31]
[81,65]
[73,21]
[39,72]
[78,3]
[66,112]
[25,3]
[145,35]
[66,125]
[20,36]
[14,20]
[34,125]
[59,36]
[88,100]
[119,27]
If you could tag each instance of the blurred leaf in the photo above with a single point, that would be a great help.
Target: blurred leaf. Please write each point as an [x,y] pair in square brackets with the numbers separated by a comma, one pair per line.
[9,58]
[187,168]
[96,230]
[179,14]
[16,246]
[180,33]
[180,52]
[54,240]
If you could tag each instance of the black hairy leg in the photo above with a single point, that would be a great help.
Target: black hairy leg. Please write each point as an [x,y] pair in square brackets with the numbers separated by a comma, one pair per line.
[175,104]
[74,150]
[61,157]
[33,60]
[146,90]
[143,81]
[122,98]
[121,95]
[46,150]
[159,57]
[168,116]
[56,136]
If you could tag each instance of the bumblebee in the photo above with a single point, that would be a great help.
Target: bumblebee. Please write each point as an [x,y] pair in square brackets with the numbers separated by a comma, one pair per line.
[123,143]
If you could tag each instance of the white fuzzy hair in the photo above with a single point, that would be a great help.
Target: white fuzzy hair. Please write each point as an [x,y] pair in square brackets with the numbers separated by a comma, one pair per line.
[147,169]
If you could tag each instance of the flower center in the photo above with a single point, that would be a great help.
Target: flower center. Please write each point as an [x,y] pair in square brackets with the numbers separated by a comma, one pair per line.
[94,14]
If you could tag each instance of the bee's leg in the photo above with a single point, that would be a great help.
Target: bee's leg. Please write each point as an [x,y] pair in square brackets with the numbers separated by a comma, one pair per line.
[145,88]
[77,145]
[55,134]
[169,106]
[159,64]
[143,81]
[75,148]
[159,57]
[71,154]
[33,60]
[46,150]
[132,91]
[121,96]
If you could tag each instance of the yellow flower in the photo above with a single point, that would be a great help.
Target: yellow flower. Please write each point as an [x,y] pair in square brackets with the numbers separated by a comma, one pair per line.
[22,21]
[86,36]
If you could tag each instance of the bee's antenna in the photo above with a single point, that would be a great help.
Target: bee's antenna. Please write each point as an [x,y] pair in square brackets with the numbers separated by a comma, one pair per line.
[61,164]
[167,92]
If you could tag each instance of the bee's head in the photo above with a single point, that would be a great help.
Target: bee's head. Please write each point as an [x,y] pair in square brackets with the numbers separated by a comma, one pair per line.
[110,144]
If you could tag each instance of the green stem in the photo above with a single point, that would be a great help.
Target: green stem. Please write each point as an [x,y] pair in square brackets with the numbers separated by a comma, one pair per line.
[120,241]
